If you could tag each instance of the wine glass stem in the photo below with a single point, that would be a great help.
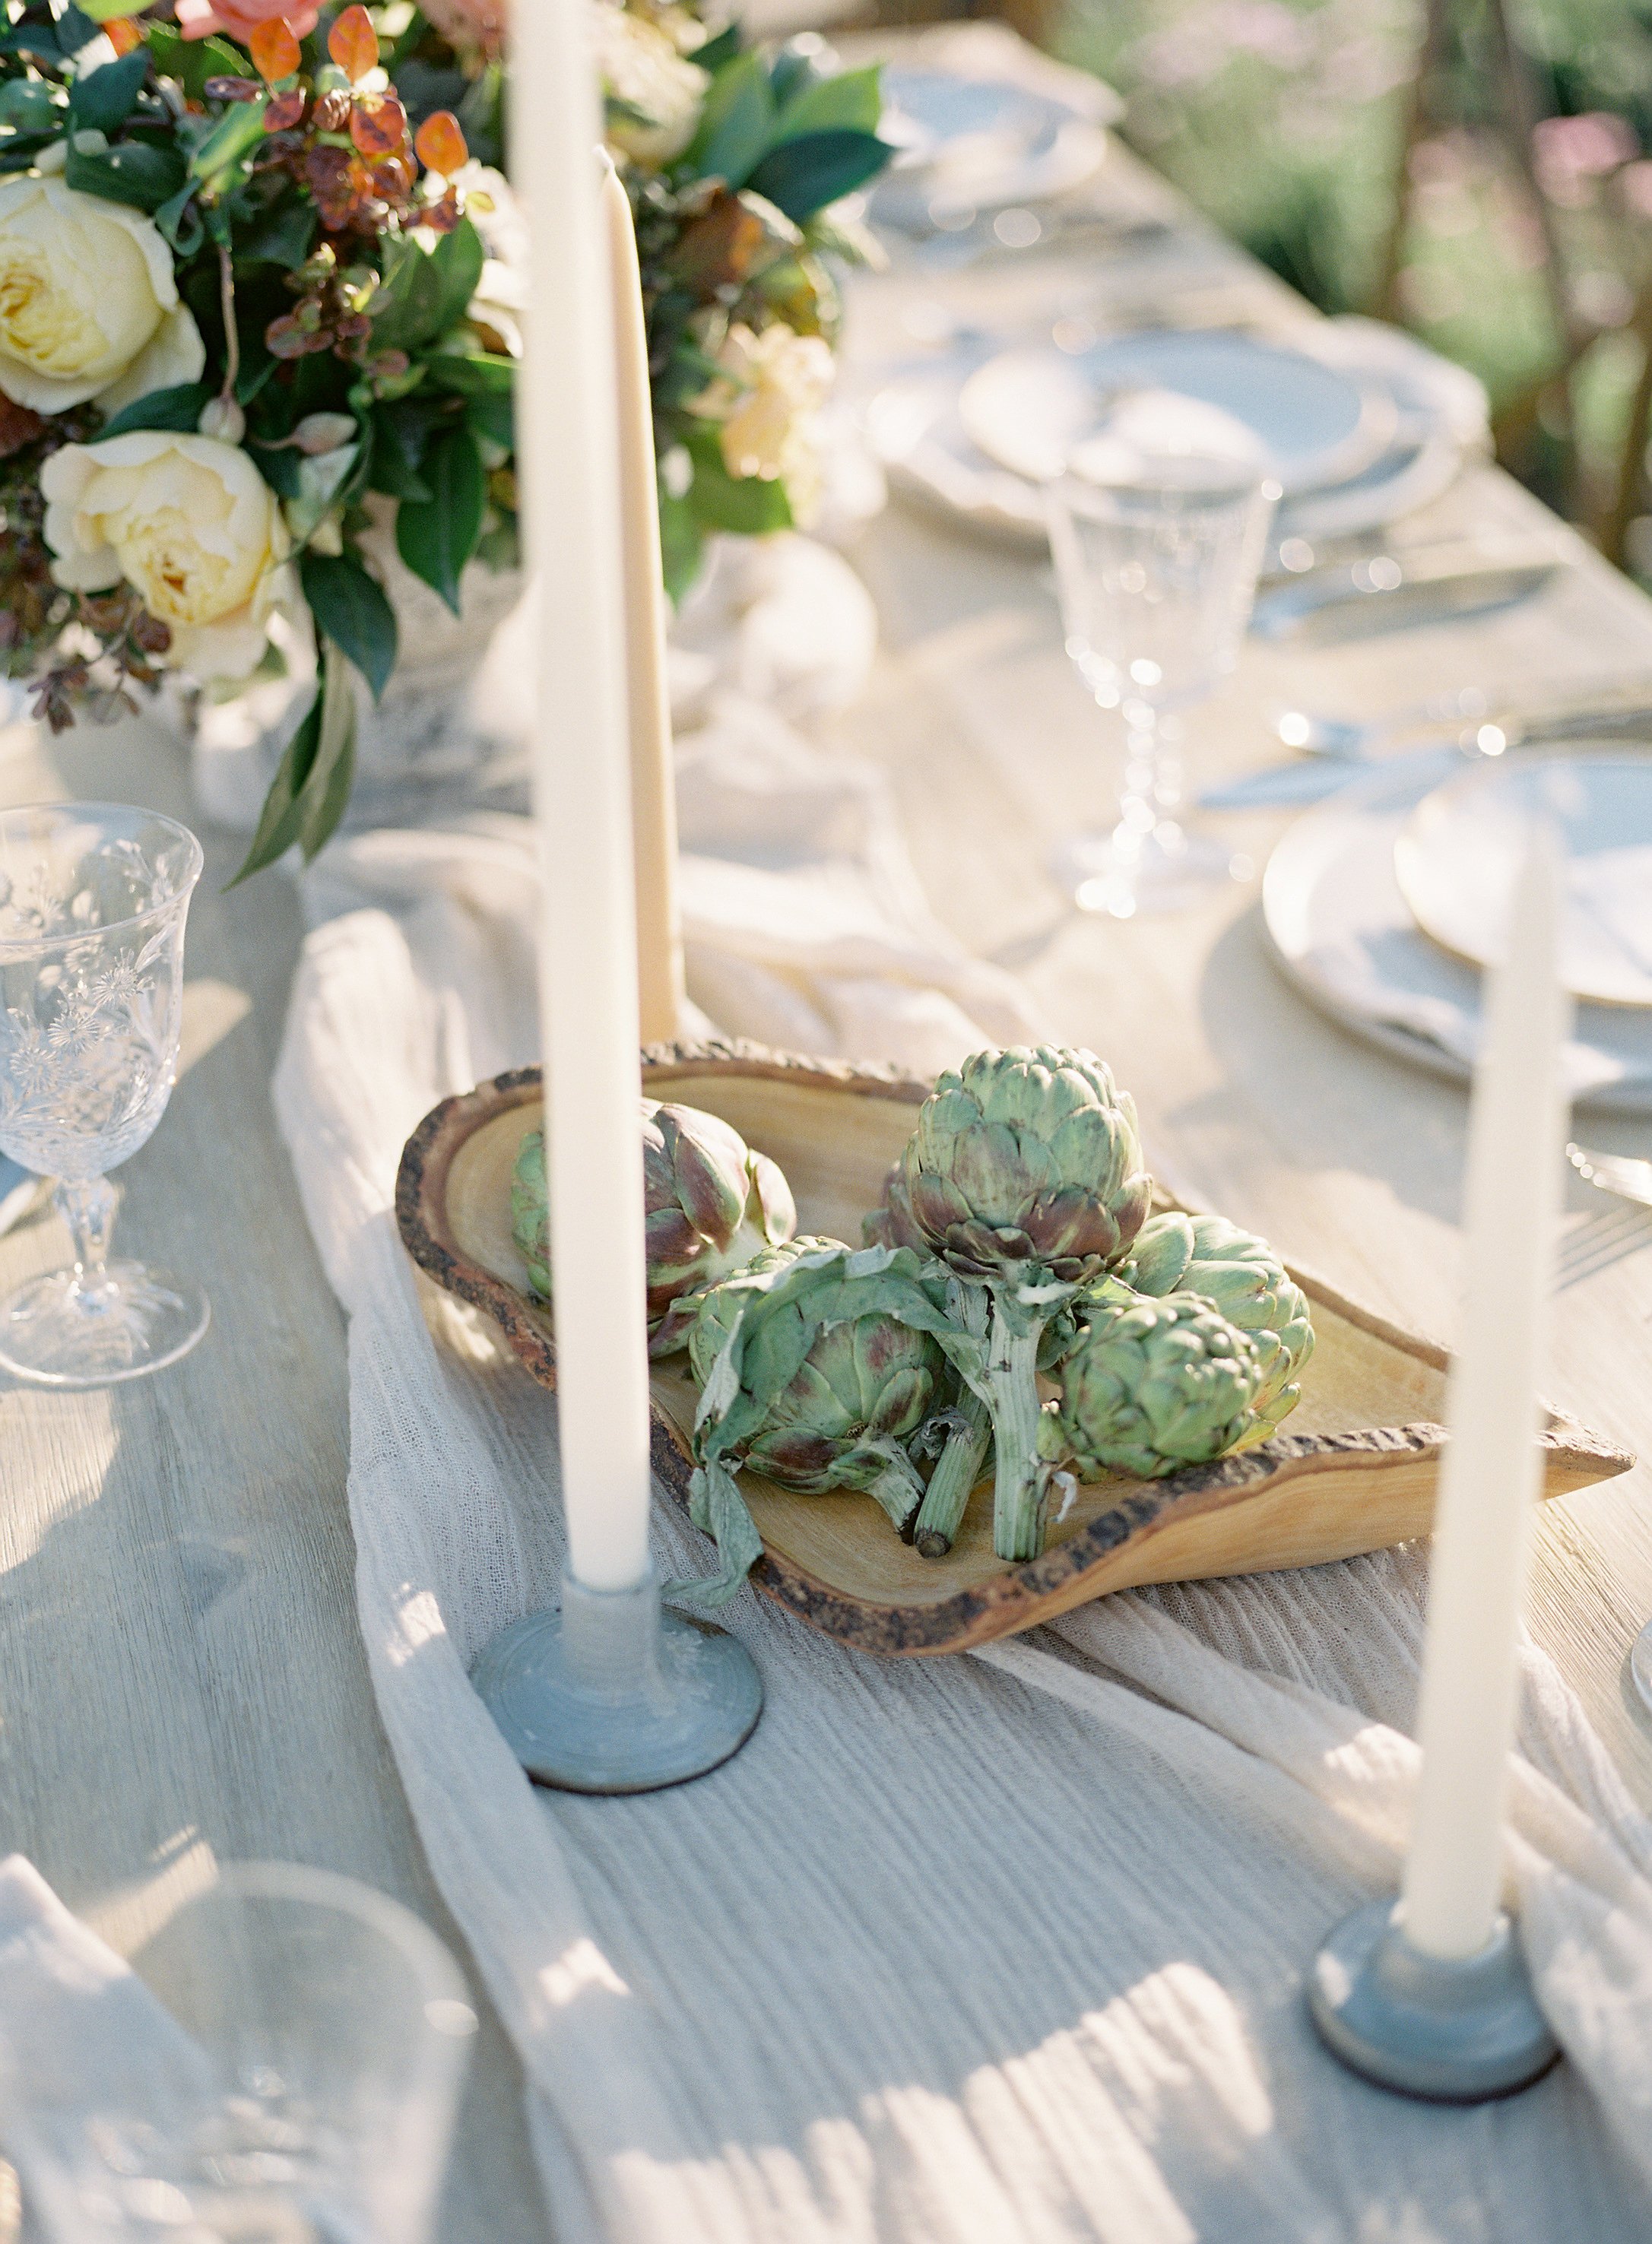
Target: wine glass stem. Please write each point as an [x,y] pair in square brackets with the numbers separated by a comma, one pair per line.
[1139,795]
[87,1206]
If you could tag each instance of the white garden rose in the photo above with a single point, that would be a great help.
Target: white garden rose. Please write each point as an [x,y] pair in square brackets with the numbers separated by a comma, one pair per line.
[640,66]
[88,301]
[189,524]
[768,399]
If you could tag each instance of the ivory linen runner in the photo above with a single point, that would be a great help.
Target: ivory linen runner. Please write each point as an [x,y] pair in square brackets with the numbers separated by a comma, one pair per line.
[1001,1948]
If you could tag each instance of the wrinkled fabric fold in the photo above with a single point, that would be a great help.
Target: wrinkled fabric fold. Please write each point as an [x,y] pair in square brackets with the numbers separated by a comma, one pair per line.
[999,1947]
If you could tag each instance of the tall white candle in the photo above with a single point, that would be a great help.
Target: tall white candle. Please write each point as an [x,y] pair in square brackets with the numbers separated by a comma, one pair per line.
[1490,1473]
[654,803]
[569,485]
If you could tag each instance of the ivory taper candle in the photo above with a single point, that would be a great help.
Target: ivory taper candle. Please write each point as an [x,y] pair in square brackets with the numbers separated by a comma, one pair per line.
[568,443]
[1490,1470]
[653,804]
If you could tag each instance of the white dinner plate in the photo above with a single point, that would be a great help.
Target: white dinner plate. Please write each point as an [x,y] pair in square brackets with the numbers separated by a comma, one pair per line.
[1345,935]
[1457,856]
[1317,424]
[974,143]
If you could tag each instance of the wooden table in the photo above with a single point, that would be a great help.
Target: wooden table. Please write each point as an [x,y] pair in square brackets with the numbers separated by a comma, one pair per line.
[180,1674]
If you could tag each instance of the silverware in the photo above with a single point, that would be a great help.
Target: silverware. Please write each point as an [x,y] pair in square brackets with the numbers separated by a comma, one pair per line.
[1465,716]
[1392,591]
[1617,1174]
[1322,774]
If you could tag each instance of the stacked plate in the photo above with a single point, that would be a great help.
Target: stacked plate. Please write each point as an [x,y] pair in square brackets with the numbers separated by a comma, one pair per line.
[1385,904]
[969,144]
[1359,422]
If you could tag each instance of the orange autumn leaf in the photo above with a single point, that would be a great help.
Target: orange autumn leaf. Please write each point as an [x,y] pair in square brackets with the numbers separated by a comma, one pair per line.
[274,50]
[353,44]
[123,34]
[378,124]
[440,143]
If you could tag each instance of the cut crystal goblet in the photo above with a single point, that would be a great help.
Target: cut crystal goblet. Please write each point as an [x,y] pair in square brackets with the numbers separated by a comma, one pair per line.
[92,901]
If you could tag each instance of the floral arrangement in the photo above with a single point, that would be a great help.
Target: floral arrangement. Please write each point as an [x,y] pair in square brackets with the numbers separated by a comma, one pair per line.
[246,321]
[1015,1301]
[737,166]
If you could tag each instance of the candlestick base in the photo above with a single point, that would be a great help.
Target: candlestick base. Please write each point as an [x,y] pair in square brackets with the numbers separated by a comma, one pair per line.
[1451,2030]
[614,1693]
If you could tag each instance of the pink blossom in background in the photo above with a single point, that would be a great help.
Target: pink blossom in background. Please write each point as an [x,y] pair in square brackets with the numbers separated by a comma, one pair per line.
[470,23]
[199,19]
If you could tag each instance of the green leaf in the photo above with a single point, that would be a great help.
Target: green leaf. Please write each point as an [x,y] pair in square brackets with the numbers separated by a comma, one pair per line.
[803,175]
[494,418]
[28,105]
[392,475]
[852,101]
[682,543]
[405,305]
[192,61]
[736,122]
[134,173]
[750,505]
[457,258]
[437,537]
[281,235]
[105,97]
[225,147]
[351,608]
[309,791]
[401,432]
[110,11]
[179,223]
[715,52]
[479,374]
[179,408]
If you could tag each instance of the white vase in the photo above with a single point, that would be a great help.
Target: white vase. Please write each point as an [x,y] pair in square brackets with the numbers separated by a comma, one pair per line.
[450,731]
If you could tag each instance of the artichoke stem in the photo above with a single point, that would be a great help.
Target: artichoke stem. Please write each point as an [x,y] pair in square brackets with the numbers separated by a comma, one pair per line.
[1019,1495]
[955,1476]
[900,1492]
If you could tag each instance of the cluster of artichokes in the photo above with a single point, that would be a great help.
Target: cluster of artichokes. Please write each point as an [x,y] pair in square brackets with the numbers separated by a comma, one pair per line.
[1014,1295]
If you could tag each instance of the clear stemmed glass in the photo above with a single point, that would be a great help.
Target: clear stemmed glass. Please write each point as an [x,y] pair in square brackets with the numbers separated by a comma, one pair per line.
[290,2077]
[93,902]
[1156,552]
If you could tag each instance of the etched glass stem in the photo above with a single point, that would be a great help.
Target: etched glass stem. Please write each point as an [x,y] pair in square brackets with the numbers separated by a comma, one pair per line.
[87,1206]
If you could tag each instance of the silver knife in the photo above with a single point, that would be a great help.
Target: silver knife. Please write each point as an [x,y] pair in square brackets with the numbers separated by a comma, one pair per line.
[1390,592]
[1316,779]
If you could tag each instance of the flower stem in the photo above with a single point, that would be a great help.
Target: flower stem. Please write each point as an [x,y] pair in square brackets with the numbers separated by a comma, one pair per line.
[954,1478]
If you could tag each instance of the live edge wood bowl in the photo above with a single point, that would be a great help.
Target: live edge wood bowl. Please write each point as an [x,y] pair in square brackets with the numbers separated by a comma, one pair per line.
[1355,1471]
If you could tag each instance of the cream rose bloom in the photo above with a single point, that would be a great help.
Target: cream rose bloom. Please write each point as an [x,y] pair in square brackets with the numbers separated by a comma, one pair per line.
[641,65]
[768,399]
[88,302]
[189,524]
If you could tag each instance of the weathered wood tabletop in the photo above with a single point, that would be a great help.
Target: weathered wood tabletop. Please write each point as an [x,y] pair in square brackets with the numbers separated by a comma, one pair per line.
[181,1675]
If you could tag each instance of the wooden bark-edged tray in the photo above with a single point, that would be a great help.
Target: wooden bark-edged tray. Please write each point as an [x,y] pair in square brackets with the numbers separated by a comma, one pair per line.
[1355,1471]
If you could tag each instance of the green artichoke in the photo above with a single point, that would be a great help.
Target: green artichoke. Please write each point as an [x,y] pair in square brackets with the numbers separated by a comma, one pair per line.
[1028,1160]
[711,1205]
[1025,1176]
[1154,1387]
[818,1365]
[891,1223]
[1241,1273]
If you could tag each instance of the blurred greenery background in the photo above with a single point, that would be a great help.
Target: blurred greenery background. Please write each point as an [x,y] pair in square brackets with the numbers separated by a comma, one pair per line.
[1523,247]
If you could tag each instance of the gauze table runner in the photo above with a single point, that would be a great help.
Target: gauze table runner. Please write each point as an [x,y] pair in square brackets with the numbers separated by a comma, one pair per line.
[1000,1949]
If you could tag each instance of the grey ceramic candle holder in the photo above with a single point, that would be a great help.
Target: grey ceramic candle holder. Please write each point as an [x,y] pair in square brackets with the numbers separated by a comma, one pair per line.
[613,1692]
[1451,2032]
